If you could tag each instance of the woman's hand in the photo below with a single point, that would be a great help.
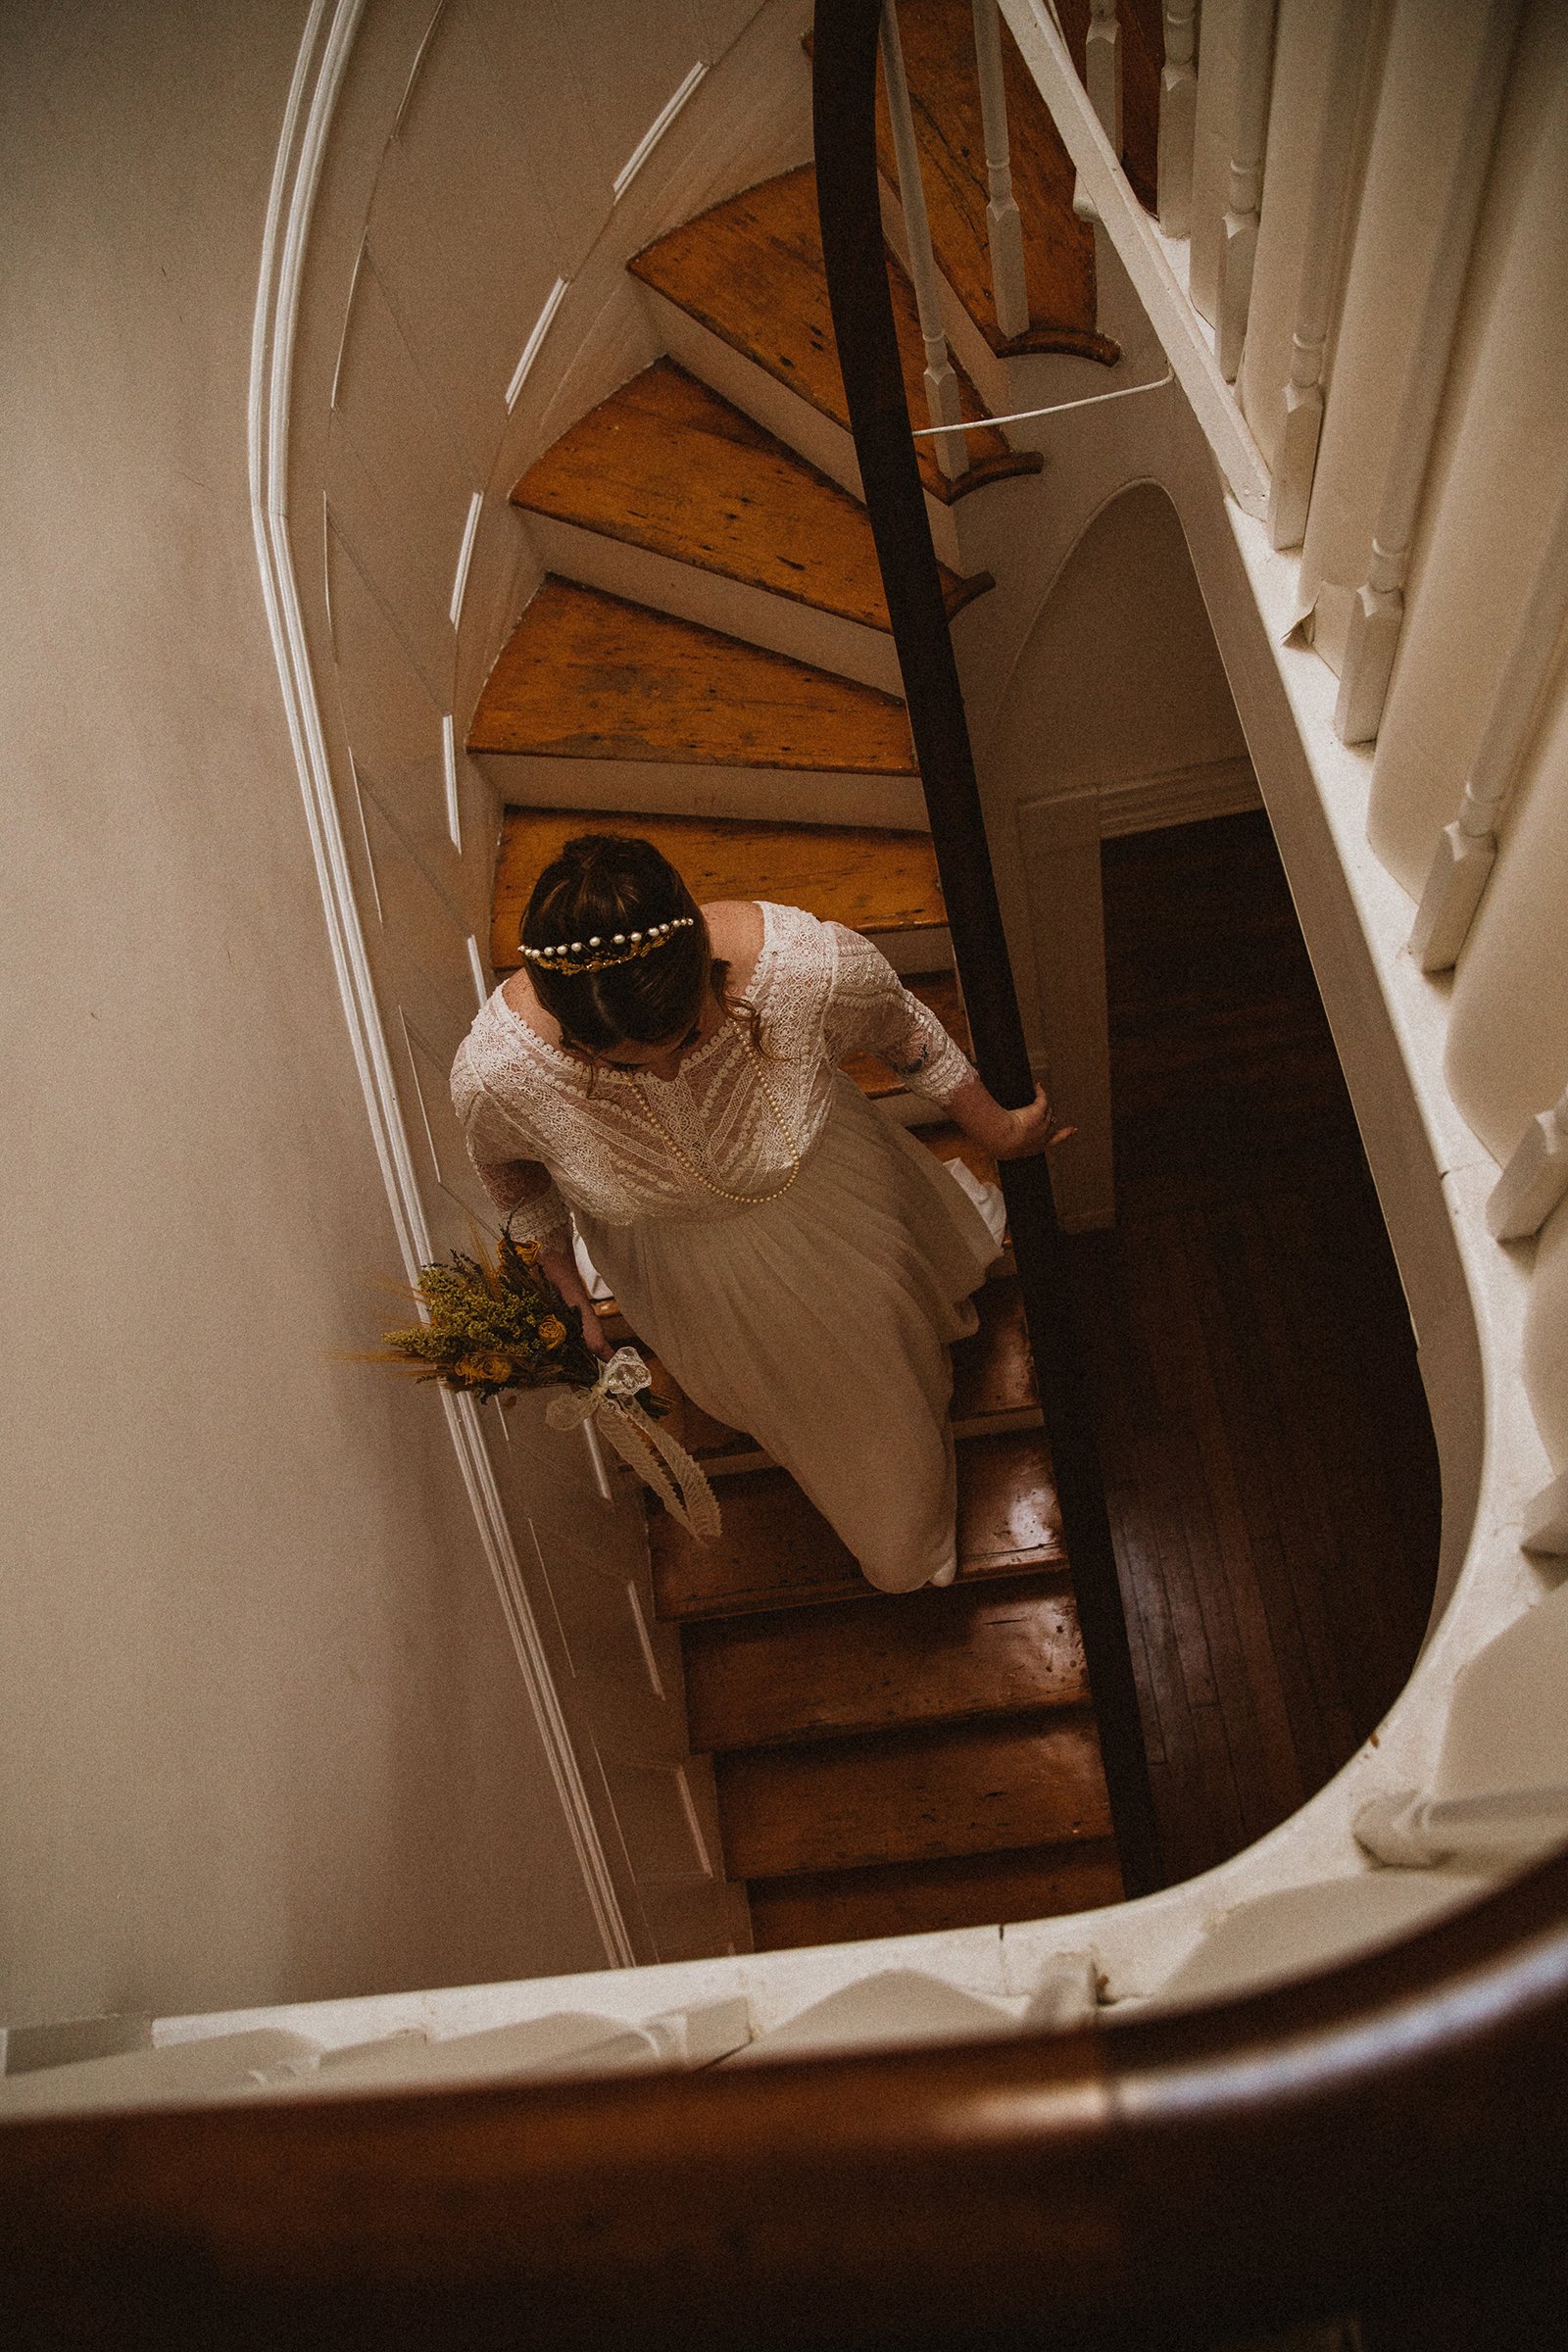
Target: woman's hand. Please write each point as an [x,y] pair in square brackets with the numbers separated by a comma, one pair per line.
[593,1331]
[1032,1130]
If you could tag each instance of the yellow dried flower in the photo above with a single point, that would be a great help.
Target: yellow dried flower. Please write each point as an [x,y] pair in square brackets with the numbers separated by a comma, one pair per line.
[552,1330]
[483,1367]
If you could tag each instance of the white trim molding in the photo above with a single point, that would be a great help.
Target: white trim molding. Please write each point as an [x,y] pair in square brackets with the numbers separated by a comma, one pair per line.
[323,55]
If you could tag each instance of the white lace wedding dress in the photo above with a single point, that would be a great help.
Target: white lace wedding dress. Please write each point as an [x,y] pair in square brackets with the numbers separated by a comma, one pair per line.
[818,1321]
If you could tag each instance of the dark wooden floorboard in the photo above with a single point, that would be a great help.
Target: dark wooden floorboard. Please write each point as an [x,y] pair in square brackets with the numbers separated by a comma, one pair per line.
[1268,1457]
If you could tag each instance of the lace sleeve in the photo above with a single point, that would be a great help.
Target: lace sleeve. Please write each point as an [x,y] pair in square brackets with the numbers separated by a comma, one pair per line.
[869,1010]
[522,1188]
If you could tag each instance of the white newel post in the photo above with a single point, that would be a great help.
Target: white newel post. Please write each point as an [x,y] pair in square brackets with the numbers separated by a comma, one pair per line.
[1255,58]
[1378,611]
[1178,119]
[1296,457]
[941,385]
[1004,229]
[1468,848]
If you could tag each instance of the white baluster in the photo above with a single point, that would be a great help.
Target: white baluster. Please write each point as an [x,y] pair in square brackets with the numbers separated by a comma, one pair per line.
[1103,70]
[1535,1181]
[941,385]
[1296,457]
[1178,119]
[1378,612]
[1255,58]
[1004,227]
[1468,848]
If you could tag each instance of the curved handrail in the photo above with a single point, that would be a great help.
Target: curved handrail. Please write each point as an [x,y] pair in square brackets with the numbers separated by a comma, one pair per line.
[1262,2160]
[844,102]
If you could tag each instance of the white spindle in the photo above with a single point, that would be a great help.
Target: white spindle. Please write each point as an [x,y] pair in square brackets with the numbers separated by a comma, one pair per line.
[1468,848]
[1378,612]
[1255,58]
[1178,118]
[941,385]
[1421,1832]
[1296,457]
[1103,70]
[1004,229]
[1535,1181]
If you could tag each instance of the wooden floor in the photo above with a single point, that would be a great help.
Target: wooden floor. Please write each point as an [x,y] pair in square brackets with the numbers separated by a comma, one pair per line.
[1270,1466]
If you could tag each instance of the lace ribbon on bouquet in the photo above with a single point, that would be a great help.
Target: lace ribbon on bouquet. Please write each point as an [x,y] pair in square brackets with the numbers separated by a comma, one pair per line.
[657,1459]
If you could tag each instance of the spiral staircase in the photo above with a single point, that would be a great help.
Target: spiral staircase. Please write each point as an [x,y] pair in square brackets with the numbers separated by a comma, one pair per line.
[708,663]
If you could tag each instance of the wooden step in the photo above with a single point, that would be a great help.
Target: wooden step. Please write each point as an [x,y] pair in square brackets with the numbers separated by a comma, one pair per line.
[940,992]
[590,676]
[939,1658]
[666,464]
[937,42]
[750,272]
[776,1553]
[911,1796]
[994,1385]
[948,1142]
[872,880]
[920,1898]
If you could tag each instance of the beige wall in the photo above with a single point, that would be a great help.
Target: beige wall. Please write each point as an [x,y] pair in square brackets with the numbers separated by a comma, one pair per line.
[262,1732]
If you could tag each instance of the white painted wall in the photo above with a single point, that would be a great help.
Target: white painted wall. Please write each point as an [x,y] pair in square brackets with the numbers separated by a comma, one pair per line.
[262,1731]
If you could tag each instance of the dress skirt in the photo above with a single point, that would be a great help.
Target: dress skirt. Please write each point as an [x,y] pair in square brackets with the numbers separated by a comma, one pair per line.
[820,1323]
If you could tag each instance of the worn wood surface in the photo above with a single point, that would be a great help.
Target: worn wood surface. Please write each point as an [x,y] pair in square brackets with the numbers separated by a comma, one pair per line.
[750,272]
[921,1898]
[776,1553]
[941,1656]
[665,464]
[1272,1472]
[994,1372]
[907,1796]
[867,878]
[590,676]
[1058,249]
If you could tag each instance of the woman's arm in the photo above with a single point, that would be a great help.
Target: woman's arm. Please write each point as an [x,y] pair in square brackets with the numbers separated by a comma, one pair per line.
[1006,1134]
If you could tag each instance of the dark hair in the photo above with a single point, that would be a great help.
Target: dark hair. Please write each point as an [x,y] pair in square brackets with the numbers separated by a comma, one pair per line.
[600,884]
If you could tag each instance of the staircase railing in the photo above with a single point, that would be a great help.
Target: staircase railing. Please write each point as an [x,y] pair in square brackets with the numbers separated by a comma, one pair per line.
[843,100]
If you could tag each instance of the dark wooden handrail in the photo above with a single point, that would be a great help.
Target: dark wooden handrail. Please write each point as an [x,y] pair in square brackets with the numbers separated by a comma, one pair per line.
[1369,2132]
[843,54]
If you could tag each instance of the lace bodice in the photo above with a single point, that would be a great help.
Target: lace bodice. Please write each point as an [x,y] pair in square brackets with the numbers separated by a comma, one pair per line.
[547,1132]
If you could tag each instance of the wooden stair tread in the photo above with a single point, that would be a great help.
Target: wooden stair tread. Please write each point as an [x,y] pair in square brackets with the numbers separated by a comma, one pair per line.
[994,1370]
[590,676]
[777,1552]
[938,41]
[948,1142]
[751,270]
[939,1658]
[871,879]
[666,464]
[913,1795]
[920,1898]
[939,991]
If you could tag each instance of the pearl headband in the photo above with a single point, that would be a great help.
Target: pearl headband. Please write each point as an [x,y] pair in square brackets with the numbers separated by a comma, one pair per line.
[632,944]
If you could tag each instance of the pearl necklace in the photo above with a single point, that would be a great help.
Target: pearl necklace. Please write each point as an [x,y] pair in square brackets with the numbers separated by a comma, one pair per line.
[742,1199]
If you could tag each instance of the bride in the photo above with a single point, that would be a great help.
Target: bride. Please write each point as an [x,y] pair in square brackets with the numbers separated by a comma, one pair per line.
[664,1075]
